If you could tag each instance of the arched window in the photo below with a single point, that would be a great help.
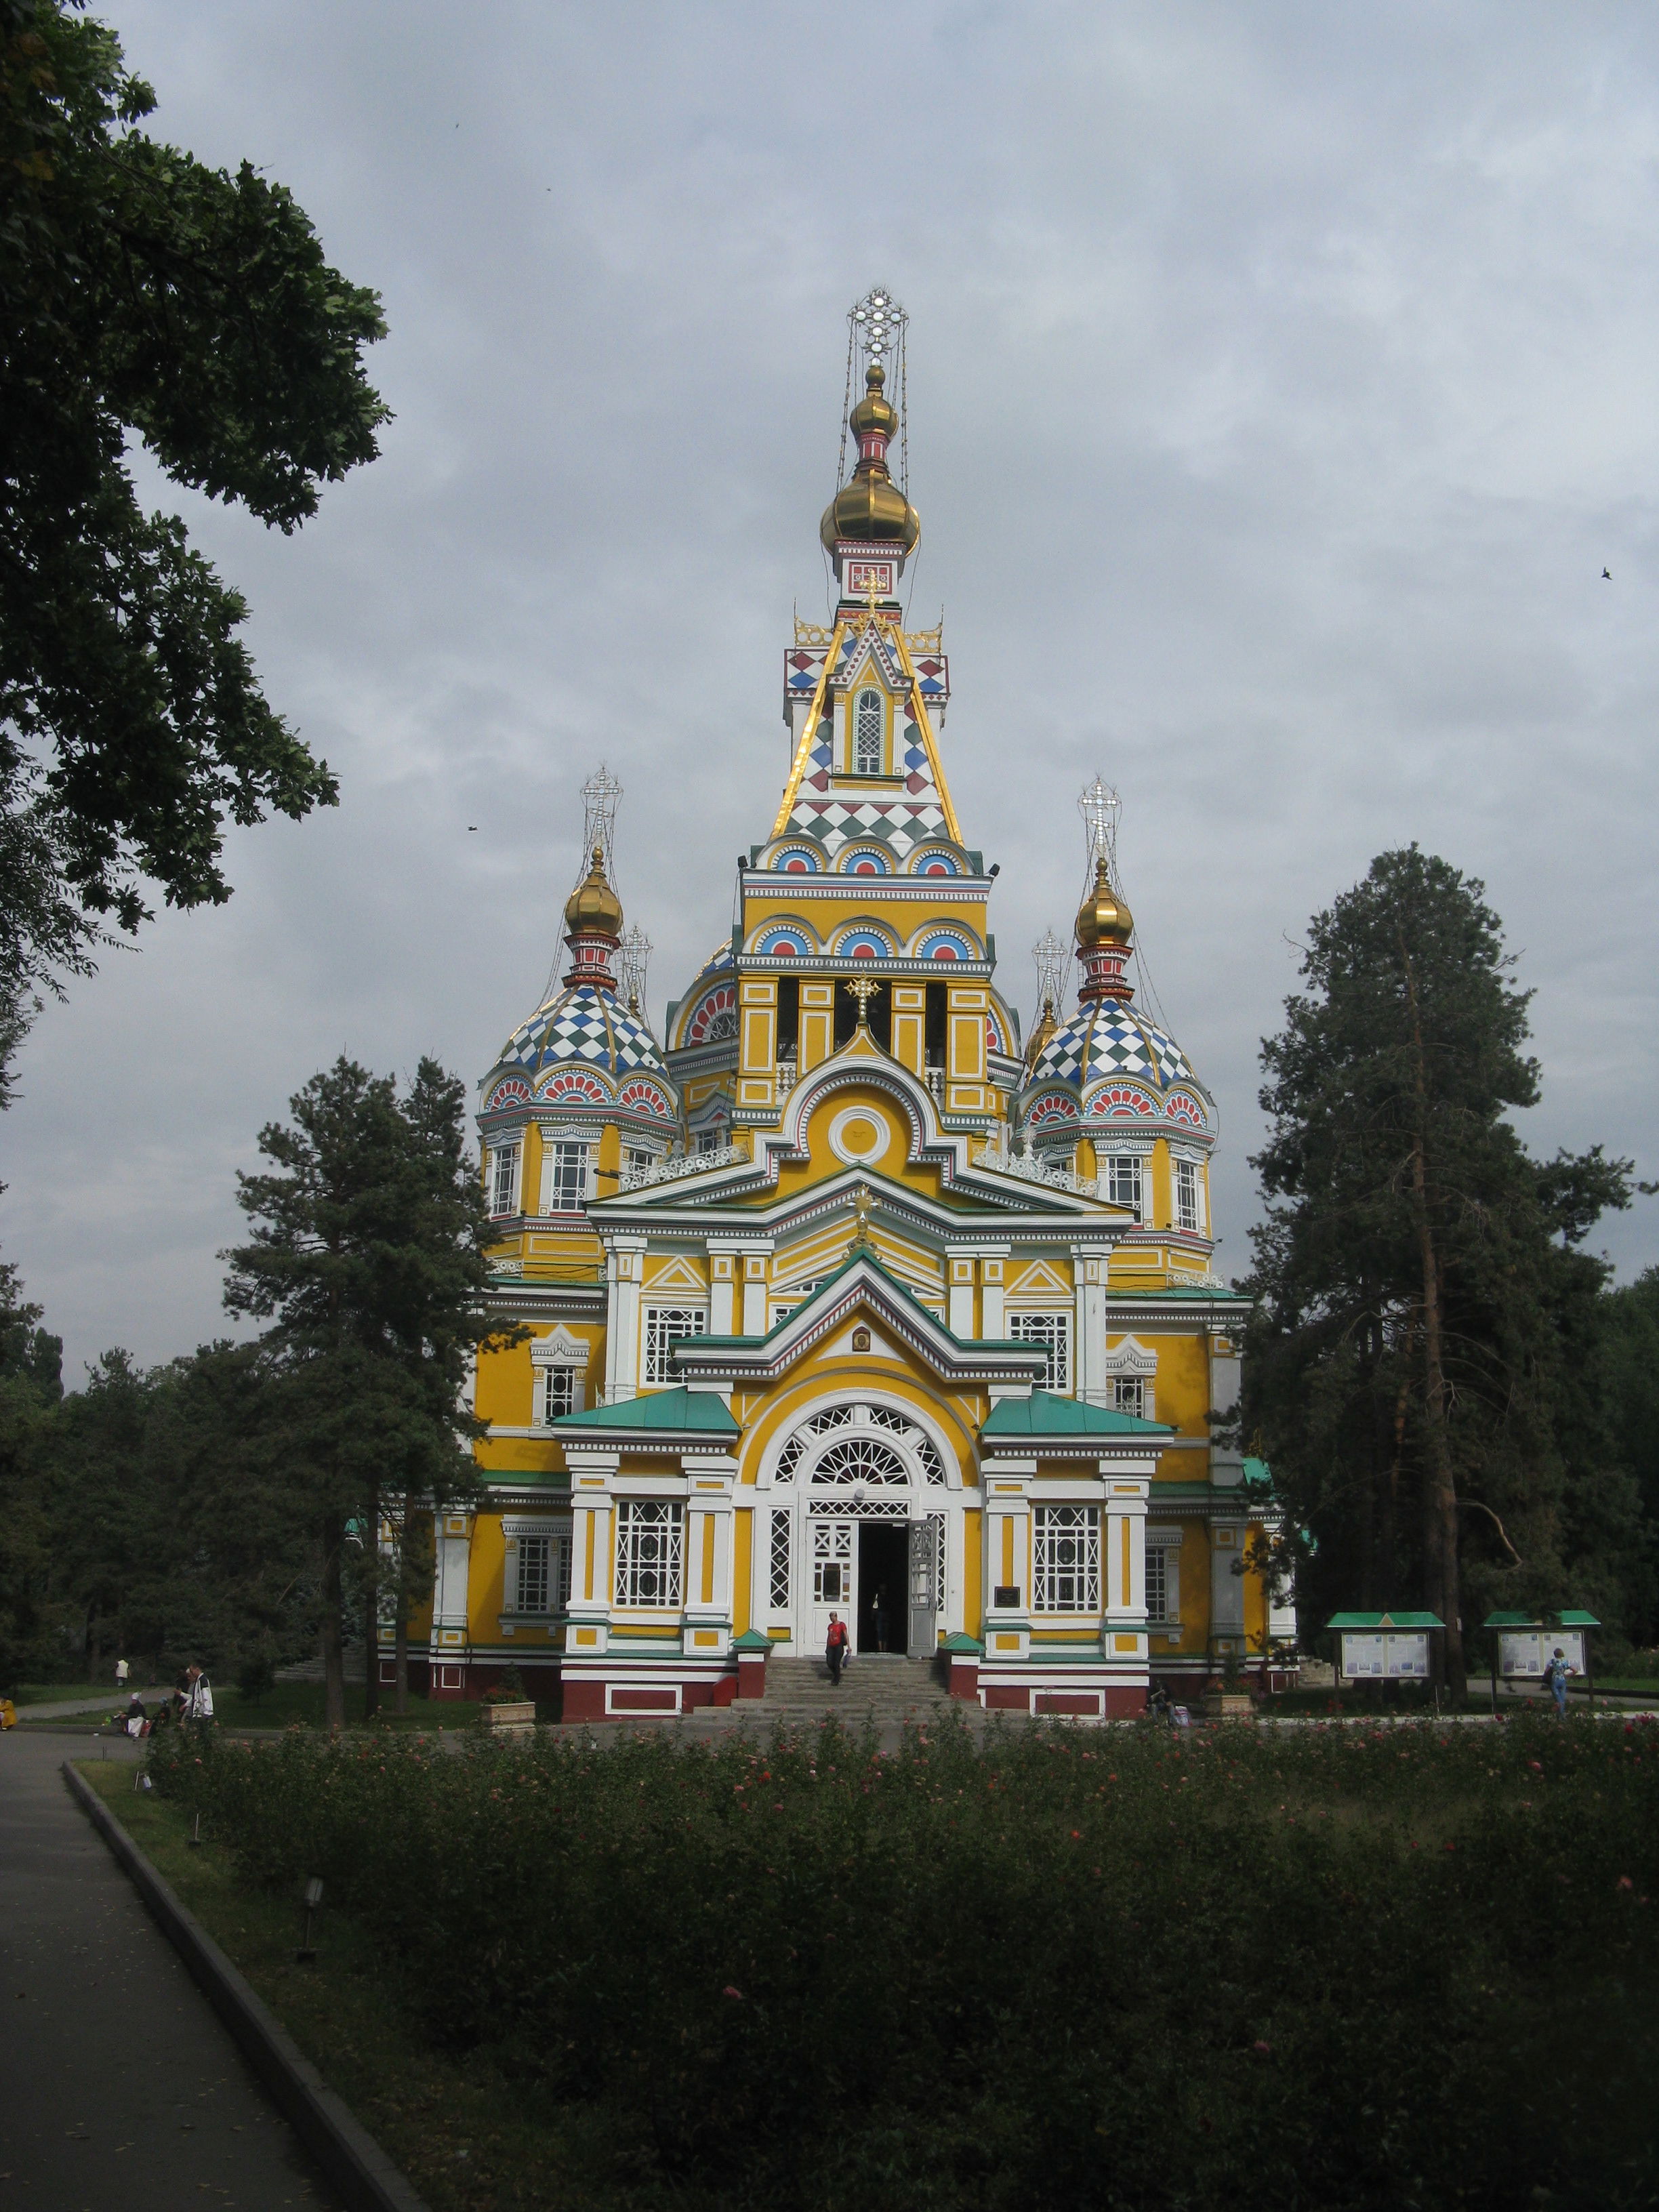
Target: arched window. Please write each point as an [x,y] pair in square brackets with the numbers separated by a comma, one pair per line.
[868,734]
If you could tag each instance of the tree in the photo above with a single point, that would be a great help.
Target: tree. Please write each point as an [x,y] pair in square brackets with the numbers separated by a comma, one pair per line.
[31,1365]
[367,1254]
[1419,1276]
[142,293]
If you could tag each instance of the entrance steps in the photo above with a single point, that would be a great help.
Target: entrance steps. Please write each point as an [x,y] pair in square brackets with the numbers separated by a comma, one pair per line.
[879,1687]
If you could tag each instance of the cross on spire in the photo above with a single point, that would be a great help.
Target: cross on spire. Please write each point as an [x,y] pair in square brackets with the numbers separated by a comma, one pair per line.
[1100,806]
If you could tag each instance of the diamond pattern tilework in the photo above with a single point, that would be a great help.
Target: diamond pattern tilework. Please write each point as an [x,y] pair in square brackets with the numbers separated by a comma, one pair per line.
[583,1026]
[1116,1041]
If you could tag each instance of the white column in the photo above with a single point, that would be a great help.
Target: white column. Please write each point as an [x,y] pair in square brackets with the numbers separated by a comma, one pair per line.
[1125,1534]
[1090,1265]
[622,1359]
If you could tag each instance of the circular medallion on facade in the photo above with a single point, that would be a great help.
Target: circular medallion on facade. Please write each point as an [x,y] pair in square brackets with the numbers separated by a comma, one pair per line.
[858,1135]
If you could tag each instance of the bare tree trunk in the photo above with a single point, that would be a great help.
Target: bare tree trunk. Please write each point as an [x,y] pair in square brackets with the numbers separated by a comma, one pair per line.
[400,1650]
[1440,1487]
[334,1711]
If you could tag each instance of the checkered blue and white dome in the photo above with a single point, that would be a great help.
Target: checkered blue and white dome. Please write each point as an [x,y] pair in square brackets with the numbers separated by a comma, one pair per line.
[1110,1041]
[584,1027]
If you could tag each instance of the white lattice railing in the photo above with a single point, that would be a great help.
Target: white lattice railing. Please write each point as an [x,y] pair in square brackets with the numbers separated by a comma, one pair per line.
[1031,1169]
[688,1164]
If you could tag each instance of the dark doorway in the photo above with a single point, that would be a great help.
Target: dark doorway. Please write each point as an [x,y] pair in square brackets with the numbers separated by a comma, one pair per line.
[884,1572]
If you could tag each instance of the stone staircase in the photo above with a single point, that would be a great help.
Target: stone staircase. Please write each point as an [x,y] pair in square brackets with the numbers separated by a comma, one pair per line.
[881,1688]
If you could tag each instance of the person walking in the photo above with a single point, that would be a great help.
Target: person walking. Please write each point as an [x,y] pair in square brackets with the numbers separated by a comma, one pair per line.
[122,1670]
[835,1647]
[198,1698]
[1555,1681]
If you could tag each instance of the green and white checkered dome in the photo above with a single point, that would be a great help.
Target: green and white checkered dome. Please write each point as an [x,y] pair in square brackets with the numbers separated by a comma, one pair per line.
[1110,1045]
[583,1027]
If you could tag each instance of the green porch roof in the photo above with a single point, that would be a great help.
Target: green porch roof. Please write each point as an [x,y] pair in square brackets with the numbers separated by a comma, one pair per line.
[1385,1620]
[1043,1414]
[1531,1620]
[693,1413]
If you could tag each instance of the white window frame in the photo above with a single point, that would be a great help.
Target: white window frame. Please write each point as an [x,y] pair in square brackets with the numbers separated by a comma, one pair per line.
[1128,1395]
[1187,1182]
[1066,1558]
[1163,1581]
[780,1559]
[864,763]
[1052,1328]
[535,1575]
[560,1392]
[567,1174]
[1126,1173]
[650,1554]
[506,1164]
[832,1549]
[661,1326]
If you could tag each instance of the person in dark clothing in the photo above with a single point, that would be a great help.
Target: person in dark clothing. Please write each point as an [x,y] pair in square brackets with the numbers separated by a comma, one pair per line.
[835,1647]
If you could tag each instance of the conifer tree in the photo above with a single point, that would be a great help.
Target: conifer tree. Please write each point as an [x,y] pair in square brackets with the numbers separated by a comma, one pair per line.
[366,1255]
[1419,1276]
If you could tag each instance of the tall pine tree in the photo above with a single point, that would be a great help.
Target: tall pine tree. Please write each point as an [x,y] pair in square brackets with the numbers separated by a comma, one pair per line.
[368,1256]
[1419,1276]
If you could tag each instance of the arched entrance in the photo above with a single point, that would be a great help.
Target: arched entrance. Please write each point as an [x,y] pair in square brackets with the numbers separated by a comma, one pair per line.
[865,1521]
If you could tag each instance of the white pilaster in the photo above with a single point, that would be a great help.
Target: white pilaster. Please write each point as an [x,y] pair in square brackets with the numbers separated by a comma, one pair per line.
[626,1256]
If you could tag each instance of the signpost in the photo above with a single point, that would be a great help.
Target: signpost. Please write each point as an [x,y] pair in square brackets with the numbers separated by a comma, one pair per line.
[1385,1647]
[1522,1646]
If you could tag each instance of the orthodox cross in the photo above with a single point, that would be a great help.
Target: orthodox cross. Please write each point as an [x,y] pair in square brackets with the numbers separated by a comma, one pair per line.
[864,988]
[1100,806]
[862,1205]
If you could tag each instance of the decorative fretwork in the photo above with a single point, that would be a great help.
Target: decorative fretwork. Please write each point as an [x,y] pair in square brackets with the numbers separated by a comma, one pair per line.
[650,1547]
[832,1563]
[1052,1331]
[998,1155]
[885,1417]
[778,1562]
[932,1465]
[1066,1558]
[860,1508]
[862,1459]
[836,1418]
[664,1326]
[789,1458]
[808,633]
[685,1163]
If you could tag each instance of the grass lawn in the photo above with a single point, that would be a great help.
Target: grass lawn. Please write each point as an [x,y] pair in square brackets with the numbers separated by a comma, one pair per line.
[288,1701]
[53,1694]
[1309,1970]
[458,2128]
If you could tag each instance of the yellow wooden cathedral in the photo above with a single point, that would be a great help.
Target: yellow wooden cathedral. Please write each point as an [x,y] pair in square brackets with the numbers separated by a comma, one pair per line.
[841,1297]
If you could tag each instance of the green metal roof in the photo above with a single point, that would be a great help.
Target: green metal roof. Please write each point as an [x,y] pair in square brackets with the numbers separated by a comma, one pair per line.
[696,1412]
[1043,1414]
[1385,1620]
[1532,1621]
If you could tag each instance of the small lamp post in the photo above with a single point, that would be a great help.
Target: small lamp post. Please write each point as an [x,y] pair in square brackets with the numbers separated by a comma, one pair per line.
[311,1897]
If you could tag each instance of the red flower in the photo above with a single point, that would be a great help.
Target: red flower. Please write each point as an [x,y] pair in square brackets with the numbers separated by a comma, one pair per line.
[1262,2049]
[728,1992]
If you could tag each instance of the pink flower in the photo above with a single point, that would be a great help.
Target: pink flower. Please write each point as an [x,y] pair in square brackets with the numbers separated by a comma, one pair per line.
[1262,2049]
[728,1992]
[1625,1882]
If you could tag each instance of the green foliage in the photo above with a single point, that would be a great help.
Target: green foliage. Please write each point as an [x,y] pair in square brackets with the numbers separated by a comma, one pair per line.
[255,1678]
[1301,1969]
[142,293]
[30,1387]
[1423,1373]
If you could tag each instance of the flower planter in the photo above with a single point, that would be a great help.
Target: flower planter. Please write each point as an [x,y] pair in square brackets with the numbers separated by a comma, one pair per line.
[1228,1705]
[517,1719]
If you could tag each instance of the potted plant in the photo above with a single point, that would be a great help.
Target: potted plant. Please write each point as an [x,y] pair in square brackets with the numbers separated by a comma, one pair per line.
[507,1710]
[1229,1699]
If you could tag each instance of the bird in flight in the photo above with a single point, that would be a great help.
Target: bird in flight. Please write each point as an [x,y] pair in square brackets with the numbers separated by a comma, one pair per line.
[1607,576]
[470,827]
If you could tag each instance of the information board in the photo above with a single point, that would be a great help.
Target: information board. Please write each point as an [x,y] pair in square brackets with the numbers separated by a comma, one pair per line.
[1401,1656]
[1525,1652]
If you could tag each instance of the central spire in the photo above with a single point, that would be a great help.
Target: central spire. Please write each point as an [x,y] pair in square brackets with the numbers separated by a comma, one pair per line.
[870,527]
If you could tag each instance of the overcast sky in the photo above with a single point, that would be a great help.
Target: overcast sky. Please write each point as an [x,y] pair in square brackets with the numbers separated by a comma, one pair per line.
[1281,382]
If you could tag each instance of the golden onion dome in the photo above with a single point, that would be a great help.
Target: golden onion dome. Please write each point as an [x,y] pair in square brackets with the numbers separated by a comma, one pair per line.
[872,508]
[593,904]
[1104,917]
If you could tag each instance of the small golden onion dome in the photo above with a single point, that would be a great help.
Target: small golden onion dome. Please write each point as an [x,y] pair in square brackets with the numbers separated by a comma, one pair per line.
[871,508]
[1104,917]
[1047,1024]
[593,904]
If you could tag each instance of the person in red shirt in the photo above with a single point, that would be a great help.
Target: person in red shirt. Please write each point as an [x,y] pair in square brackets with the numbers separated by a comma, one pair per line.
[835,1646]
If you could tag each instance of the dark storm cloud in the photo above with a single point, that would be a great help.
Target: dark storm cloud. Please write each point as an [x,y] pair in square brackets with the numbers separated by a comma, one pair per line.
[1280,385]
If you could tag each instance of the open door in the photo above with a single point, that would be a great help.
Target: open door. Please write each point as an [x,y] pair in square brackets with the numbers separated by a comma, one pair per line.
[924,1588]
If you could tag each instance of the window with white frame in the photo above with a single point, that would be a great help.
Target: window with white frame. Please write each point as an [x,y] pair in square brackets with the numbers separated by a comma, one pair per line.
[564,1177]
[1123,1181]
[1054,1332]
[1128,1395]
[1163,1581]
[1066,1558]
[711,1139]
[562,1393]
[535,1579]
[662,1326]
[650,1552]
[504,1179]
[832,1562]
[638,1160]
[868,719]
[1189,1200]
[777,1583]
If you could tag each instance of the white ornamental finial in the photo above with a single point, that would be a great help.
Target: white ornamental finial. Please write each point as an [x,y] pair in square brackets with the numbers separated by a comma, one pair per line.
[878,322]
[1051,960]
[633,959]
[600,794]
[1100,806]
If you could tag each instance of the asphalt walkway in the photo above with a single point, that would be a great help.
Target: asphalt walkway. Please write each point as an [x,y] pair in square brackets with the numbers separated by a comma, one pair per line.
[120,2091]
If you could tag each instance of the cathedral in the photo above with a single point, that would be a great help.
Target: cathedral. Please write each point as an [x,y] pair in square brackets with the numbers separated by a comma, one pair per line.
[843,1295]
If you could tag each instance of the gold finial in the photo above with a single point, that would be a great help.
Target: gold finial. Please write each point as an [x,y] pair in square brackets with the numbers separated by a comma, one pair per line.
[864,988]
[863,1206]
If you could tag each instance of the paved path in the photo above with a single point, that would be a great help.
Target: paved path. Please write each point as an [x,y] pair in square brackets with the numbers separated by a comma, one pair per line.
[120,2091]
[112,1701]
